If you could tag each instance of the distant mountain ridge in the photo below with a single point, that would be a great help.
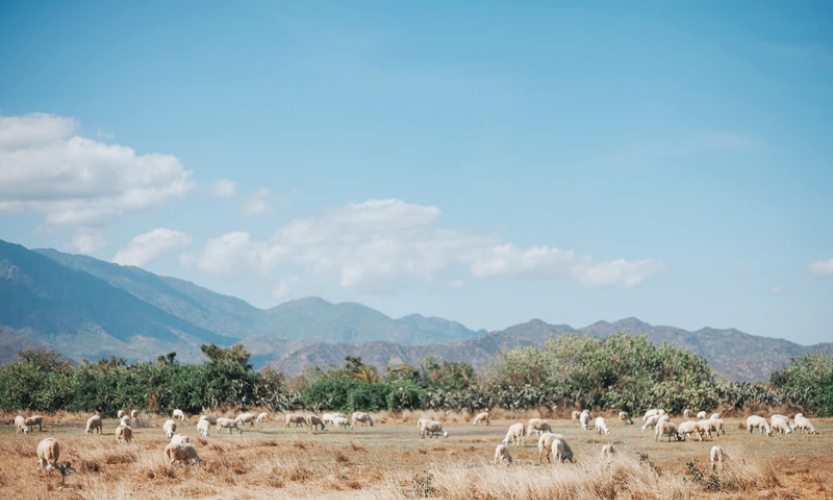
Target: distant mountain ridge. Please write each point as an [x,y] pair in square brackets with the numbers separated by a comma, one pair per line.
[87,308]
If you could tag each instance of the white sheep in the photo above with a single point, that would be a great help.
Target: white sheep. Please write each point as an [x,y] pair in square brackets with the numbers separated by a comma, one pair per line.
[576,415]
[545,445]
[515,434]
[125,421]
[690,427]
[124,434]
[651,422]
[20,425]
[93,423]
[625,417]
[48,453]
[801,423]
[537,426]
[362,418]
[432,428]
[601,426]
[686,413]
[666,428]
[261,417]
[329,417]
[246,418]
[35,420]
[294,418]
[315,422]
[584,418]
[121,414]
[203,425]
[755,421]
[780,424]
[561,451]
[227,423]
[183,452]
[706,427]
[717,455]
[180,439]
[482,418]
[608,451]
[502,454]
[178,414]
[342,422]
[134,415]
[169,427]
[714,415]
[701,414]
[651,413]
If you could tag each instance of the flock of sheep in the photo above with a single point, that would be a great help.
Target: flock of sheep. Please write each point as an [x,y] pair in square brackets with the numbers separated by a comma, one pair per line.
[550,444]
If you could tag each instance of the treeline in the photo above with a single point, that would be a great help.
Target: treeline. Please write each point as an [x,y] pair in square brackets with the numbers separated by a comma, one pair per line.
[622,372]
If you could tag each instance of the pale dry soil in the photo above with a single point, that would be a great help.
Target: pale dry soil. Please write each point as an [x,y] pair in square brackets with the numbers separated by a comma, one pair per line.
[390,460]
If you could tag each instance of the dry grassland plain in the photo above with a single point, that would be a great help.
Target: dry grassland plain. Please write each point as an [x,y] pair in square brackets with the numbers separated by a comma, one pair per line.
[389,460]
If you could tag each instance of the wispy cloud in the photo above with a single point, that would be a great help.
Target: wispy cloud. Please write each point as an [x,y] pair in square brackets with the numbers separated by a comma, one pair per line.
[822,268]
[224,188]
[149,246]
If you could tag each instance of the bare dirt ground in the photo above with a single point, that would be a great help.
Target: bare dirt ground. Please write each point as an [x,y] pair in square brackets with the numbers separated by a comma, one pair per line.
[389,460]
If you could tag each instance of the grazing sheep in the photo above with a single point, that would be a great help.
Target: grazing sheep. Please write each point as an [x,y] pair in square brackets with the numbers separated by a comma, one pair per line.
[686,413]
[211,420]
[502,454]
[706,427]
[537,426]
[584,418]
[690,427]
[601,426]
[362,418]
[183,452]
[203,425]
[125,421]
[651,413]
[625,417]
[545,445]
[48,453]
[246,418]
[329,417]
[780,424]
[482,418]
[801,423]
[561,450]
[20,425]
[169,427]
[315,422]
[755,421]
[432,428]
[576,416]
[121,414]
[342,422]
[717,455]
[124,434]
[261,417]
[294,418]
[35,420]
[515,434]
[134,415]
[93,423]
[714,415]
[701,414]
[179,415]
[666,428]
[608,451]
[716,426]
[227,423]
[651,422]
[179,439]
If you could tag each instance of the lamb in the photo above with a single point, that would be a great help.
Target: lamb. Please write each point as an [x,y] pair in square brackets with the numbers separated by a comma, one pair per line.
[706,427]
[261,417]
[341,422]
[601,426]
[502,454]
[780,424]
[184,452]
[666,428]
[584,418]
[687,413]
[227,423]
[20,425]
[717,455]
[701,414]
[246,418]
[35,420]
[538,426]
[515,433]
[203,426]
[576,416]
[561,450]
[361,417]
[758,422]
[690,427]
[482,417]
[178,414]
[716,426]
[545,445]
[48,453]
[608,451]
[179,439]
[433,428]
[294,418]
[124,434]
[93,423]
[169,427]
[315,422]
[801,422]
[625,417]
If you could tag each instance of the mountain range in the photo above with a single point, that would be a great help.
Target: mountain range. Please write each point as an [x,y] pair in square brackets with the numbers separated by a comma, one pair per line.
[86,308]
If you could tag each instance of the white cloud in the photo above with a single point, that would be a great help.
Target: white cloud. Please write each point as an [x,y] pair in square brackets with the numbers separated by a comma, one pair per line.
[380,245]
[822,268]
[260,203]
[75,181]
[224,188]
[149,246]
[284,287]
[87,243]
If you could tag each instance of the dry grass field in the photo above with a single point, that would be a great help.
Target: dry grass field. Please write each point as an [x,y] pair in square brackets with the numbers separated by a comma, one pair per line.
[389,460]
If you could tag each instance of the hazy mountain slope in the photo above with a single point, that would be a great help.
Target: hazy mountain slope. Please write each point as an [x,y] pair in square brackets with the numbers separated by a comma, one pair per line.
[12,342]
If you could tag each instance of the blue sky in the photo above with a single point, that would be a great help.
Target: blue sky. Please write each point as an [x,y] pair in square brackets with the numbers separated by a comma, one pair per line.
[484,162]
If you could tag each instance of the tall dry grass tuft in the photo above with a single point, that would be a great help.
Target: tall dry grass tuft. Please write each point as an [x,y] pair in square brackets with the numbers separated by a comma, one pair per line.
[742,471]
